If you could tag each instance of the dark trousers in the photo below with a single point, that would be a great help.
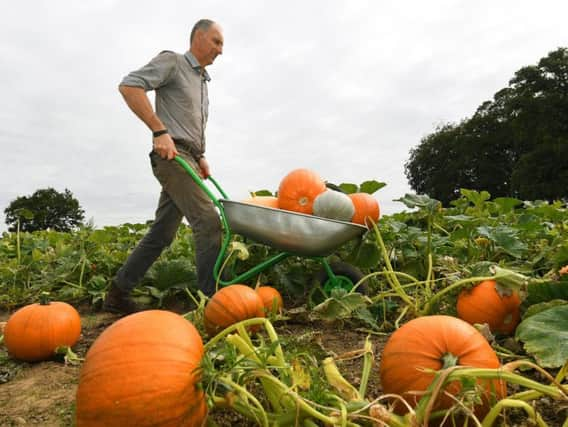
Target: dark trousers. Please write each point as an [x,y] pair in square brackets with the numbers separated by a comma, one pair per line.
[180,197]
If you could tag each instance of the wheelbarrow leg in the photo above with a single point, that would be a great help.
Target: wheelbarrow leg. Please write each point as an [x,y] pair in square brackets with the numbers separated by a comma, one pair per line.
[338,275]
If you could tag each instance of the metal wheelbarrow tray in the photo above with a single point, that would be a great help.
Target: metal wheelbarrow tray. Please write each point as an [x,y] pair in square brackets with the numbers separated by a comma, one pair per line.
[288,231]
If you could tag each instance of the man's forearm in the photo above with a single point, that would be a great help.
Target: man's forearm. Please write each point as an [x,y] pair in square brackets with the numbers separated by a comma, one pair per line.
[139,103]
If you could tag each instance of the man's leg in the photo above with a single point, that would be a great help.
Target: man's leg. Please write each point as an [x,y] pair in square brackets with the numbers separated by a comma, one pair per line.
[160,235]
[200,212]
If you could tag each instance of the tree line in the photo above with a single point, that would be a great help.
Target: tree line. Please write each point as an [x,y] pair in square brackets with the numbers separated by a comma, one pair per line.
[515,145]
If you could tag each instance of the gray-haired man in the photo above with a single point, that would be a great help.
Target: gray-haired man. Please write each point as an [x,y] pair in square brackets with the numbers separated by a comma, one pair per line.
[178,128]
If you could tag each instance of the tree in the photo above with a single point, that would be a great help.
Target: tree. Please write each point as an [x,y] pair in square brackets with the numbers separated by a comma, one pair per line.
[45,209]
[514,145]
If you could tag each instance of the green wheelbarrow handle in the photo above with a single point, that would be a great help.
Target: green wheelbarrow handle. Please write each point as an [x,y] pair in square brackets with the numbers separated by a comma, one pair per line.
[201,184]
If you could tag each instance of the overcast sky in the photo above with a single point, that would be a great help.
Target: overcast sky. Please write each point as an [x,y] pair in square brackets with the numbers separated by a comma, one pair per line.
[345,88]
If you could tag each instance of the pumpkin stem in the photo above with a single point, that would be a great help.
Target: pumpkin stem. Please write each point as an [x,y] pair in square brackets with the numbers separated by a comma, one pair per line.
[449,360]
[44,298]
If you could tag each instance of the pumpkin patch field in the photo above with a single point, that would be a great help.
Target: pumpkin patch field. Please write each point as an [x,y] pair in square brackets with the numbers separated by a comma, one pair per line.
[458,316]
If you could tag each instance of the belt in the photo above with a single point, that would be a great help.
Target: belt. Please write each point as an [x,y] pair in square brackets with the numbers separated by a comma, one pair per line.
[182,145]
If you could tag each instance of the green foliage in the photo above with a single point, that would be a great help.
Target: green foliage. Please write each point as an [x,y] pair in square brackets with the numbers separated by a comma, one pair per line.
[45,209]
[547,291]
[546,337]
[341,305]
[513,146]
[79,265]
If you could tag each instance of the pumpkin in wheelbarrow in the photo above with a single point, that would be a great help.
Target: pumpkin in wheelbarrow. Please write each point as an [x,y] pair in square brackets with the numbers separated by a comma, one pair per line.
[299,189]
[366,208]
[266,201]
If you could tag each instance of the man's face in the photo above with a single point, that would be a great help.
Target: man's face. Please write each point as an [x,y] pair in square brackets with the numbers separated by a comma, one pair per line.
[207,45]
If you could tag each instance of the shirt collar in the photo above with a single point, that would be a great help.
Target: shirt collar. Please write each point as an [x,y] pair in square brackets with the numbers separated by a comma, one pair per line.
[195,65]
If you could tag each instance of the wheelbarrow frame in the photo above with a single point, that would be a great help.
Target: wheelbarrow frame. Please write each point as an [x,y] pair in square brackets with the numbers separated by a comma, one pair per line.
[334,281]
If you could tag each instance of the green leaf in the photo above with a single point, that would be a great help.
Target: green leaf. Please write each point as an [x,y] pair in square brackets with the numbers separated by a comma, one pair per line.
[548,291]
[475,197]
[165,274]
[366,254]
[370,187]
[420,201]
[504,237]
[348,188]
[537,308]
[365,315]
[261,193]
[459,218]
[340,305]
[507,204]
[545,336]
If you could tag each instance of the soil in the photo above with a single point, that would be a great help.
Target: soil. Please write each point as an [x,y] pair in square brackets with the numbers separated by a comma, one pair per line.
[43,394]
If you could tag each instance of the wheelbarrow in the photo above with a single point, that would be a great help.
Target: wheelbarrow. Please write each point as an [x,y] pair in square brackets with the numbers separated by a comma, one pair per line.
[290,233]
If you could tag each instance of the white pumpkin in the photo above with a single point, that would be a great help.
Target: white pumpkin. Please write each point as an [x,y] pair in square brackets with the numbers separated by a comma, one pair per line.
[334,205]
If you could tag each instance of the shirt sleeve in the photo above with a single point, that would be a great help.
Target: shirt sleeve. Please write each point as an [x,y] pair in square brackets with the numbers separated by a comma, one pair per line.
[154,74]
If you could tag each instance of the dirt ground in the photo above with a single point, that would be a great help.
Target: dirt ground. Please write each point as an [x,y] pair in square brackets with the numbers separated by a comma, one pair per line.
[43,394]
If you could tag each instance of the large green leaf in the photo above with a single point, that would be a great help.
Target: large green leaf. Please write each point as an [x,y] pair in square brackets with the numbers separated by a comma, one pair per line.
[348,188]
[505,237]
[370,187]
[420,201]
[340,305]
[165,274]
[545,336]
[366,254]
[507,204]
[478,198]
[548,291]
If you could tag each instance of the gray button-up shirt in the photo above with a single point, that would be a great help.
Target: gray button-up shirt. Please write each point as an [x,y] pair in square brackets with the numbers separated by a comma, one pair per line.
[182,101]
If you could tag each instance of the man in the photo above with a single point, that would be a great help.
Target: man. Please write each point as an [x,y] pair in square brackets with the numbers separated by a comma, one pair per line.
[178,128]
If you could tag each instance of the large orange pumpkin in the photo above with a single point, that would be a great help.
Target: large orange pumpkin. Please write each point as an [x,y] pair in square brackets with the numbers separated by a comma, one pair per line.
[366,206]
[34,332]
[230,305]
[485,304]
[271,299]
[435,342]
[141,371]
[298,190]
[266,201]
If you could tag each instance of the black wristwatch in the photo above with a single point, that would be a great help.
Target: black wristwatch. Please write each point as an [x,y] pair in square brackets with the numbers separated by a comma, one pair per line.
[158,133]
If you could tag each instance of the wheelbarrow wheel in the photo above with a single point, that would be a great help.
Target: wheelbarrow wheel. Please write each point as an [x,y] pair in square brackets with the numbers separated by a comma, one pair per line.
[346,277]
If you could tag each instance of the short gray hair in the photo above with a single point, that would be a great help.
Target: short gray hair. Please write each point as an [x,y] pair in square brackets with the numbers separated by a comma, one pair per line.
[202,24]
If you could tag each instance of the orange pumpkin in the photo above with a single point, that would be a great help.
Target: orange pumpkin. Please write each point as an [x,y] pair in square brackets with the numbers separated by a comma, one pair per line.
[485,304]
[366,206]
[271,299]
[230,305]
[141,371]
[34,332]
[435,342]
[298,190]
[266,201]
